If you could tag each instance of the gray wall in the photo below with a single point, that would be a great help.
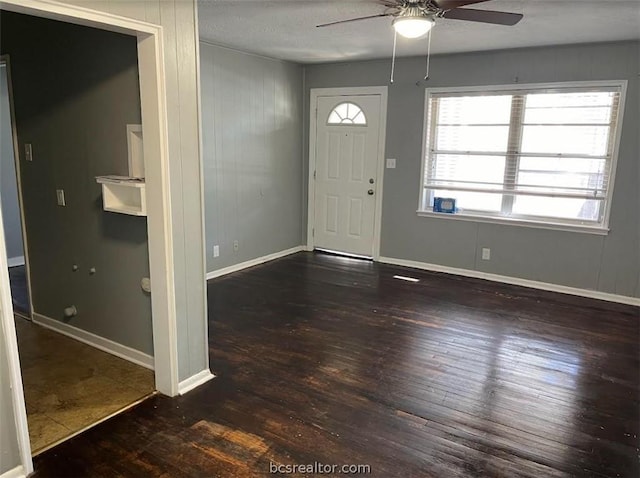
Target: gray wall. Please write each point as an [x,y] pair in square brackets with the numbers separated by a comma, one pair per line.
[252,137]
[75,90]
[605,263]
[8,183]
[9,451]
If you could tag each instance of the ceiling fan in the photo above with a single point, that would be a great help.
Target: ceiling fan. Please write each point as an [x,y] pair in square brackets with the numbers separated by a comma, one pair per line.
[416,18]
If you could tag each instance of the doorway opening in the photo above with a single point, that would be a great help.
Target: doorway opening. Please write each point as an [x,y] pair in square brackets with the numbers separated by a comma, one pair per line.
[87,353]
[10,202]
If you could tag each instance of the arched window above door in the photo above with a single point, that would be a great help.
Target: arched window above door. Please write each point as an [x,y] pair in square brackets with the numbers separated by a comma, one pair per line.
[347,114]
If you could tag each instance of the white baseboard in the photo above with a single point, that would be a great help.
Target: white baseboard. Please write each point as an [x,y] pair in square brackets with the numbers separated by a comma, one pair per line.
[96,341]
[13,262]
[563,289]
[17,472]
[194,381]
[253,262]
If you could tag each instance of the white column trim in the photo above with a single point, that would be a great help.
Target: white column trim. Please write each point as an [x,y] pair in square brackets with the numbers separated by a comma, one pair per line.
[195,381]
[17,472]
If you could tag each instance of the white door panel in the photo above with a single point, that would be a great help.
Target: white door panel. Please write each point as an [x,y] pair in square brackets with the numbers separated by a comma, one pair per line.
[346,176]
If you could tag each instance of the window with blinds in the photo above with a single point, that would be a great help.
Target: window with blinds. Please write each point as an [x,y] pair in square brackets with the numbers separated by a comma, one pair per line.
[540,154]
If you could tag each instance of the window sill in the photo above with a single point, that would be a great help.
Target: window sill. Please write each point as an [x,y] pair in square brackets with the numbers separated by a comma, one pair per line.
[600,231]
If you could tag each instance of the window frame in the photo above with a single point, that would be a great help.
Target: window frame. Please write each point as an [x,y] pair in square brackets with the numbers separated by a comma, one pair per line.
[527,221]
[342,122]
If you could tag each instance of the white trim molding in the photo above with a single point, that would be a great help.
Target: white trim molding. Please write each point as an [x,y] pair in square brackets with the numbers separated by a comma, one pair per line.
[106,345]
[316,93]
[15,261]
[17,472]
[253,262]
[508,221]
[562,289]
[195,381]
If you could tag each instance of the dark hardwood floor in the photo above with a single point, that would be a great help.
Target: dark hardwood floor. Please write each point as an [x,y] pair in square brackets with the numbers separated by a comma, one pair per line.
[332,360]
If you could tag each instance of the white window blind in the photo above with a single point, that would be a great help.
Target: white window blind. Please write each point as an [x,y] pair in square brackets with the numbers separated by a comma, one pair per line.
[539,154]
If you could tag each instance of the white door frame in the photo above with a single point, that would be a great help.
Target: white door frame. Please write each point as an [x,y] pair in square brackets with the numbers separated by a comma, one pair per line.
[4,59]
[382,136]
[13,362]
[159,219]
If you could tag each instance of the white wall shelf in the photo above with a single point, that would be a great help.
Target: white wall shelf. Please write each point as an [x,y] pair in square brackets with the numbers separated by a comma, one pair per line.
[123,195]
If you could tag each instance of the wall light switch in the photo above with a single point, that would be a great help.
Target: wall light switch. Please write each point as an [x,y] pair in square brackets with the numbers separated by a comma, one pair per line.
[216,251]
[486,254]
[391,163]
[60,195]
[28,152]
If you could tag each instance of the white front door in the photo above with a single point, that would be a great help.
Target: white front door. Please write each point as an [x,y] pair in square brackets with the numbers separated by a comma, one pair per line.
[346,182]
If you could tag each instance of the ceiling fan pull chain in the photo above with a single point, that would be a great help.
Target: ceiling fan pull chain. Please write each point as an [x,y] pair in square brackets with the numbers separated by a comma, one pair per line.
[426,77]
[393,58]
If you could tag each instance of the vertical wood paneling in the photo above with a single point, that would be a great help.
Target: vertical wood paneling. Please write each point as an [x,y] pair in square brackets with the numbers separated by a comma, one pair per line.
[252,154]
[168,21]
[152,12]
[129,8]
[99,5]
[192,180]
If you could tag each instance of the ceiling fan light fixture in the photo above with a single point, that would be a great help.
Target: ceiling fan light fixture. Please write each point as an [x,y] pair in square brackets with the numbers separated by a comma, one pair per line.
[413,26]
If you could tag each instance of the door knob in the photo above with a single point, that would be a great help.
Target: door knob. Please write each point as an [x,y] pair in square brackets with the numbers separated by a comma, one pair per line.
[370,192]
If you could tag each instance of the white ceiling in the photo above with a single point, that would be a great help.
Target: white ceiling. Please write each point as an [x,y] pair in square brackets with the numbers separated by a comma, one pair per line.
[286,29]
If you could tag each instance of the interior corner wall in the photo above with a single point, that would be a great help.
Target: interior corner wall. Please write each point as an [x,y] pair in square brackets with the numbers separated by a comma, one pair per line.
[608,263]
[75,90]
[8,184]
[252,137]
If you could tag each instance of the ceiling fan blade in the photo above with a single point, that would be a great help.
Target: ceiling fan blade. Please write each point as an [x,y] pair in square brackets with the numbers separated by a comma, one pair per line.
[451,4]
[484,16]
[355,19]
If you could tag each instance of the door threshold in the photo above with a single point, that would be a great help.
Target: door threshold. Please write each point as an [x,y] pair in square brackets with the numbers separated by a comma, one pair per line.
[82,430]
[344,254]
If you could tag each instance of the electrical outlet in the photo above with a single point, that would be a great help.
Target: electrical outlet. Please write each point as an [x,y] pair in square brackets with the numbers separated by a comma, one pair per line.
[391,163]
[216,251]
[486,254]
[236,246]
[28,152]
[60,196]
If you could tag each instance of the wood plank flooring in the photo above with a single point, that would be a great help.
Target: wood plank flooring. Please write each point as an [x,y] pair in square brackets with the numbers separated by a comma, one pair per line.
[333,360]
